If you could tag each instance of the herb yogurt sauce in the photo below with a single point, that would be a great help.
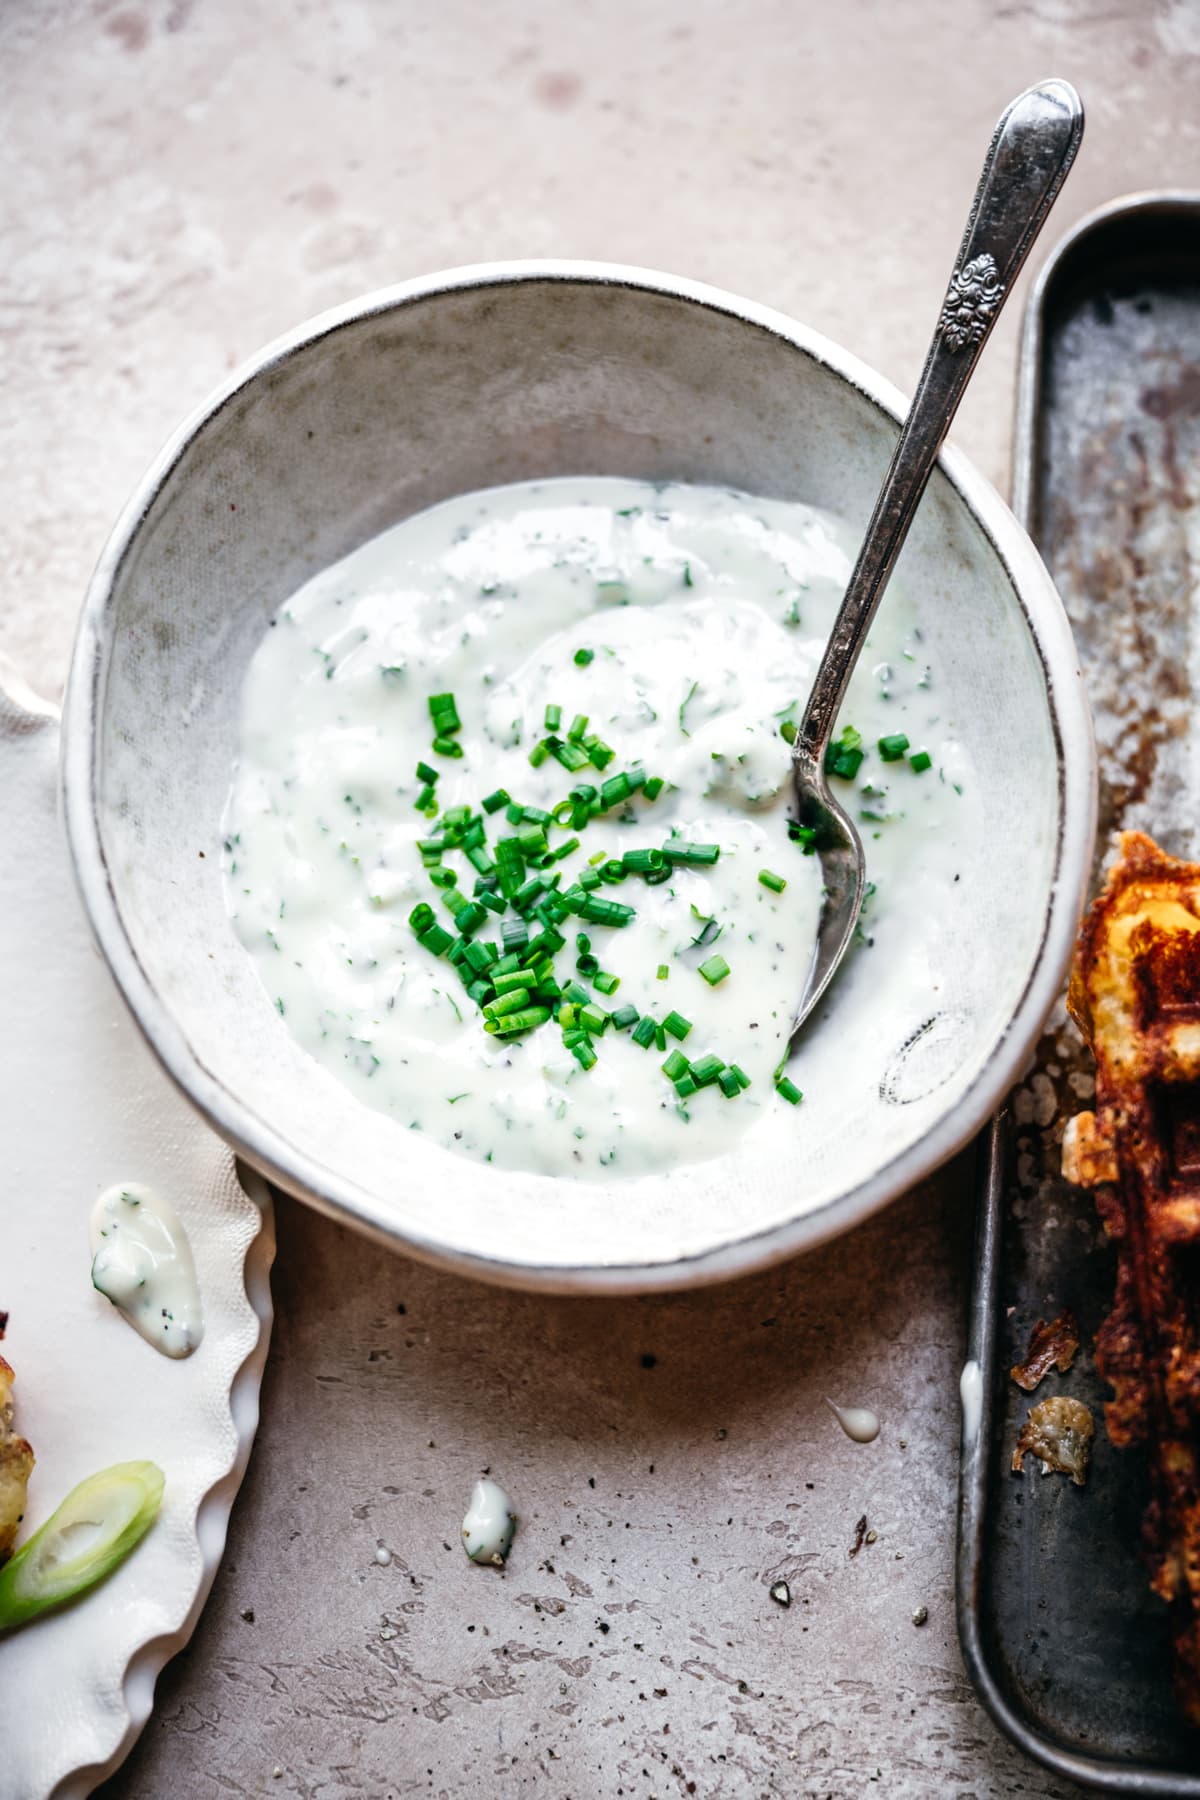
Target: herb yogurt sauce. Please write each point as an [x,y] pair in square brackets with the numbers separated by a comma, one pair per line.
[672,632]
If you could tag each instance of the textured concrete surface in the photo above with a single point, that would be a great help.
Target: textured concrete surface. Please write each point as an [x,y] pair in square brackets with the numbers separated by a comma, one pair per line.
[670,1459]
[182,179]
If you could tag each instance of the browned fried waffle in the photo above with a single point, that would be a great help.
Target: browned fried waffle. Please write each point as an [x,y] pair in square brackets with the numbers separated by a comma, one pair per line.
[16,1463]
[1135,994]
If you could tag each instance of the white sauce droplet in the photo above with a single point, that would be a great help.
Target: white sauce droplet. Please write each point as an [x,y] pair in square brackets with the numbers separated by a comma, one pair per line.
[489,1525]
[142,1262]
[970,1387]
[858,1422]
[383,1556]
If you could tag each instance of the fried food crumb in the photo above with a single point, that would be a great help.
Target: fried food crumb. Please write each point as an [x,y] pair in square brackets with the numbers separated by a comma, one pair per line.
[16,1465]
[1059,1432]
[1050,1346]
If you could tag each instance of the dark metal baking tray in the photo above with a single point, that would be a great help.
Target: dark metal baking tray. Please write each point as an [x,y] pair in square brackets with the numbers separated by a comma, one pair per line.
[1067,1646]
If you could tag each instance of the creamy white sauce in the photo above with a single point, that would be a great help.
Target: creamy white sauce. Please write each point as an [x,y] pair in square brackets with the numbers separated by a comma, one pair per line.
[706,612]
[970,1389]
[490,1523]
[858,1422]
[142,1262]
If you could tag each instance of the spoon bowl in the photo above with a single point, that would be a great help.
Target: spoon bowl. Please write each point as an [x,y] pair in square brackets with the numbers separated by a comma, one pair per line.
[843,873]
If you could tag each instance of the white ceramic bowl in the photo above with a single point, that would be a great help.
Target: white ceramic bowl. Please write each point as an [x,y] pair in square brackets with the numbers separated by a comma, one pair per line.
[492,375]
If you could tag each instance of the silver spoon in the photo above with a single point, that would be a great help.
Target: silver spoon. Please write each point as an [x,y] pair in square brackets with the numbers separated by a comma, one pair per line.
[1027,162]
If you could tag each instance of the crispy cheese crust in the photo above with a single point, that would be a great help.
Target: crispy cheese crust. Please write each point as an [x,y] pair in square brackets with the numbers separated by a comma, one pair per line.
[1135,994]
[16,1464]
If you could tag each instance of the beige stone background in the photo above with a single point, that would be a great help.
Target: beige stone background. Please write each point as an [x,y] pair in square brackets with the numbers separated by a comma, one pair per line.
[183,179]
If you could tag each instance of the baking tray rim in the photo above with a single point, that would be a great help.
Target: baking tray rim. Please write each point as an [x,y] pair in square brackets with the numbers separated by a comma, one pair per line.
[1103,1775]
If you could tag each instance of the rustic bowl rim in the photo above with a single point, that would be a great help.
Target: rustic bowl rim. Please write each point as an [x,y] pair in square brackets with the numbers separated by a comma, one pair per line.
[297,1173]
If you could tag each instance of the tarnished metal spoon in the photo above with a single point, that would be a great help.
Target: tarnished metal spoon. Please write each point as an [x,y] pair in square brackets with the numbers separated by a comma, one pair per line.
[1027,162]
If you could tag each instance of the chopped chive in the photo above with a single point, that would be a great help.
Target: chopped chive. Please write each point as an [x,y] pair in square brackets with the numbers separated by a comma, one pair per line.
[444,878]
[505,981]
[579,996]
[607,982]
[553,718]
[424,798]
[583,657]
[587,966]
[578,726]
[844,757]
[919,761]
[598,911]
[614,871]
[685,1086]
[769,879]
[514,1000]
[600,754]
[740,1075]
[444,713]
[571,755]
[422,916]
[660,1036]
[729,1084]
[677,1025]
[583,943]
[447,746]
[624,1016]
[613,791]
[593,1020]
[663,972]
[583,1053]
[714,970]
[654,787]
[892,748]
[791,1093]
[515,935]
[675,1065]
[643,1031]
[789,731]
[706,1069]
[470,917]
[435,939]
[640,861]
[527,1020]
[539,753]
[699,855]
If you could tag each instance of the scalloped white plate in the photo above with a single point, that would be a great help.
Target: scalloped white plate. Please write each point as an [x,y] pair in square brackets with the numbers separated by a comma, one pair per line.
[84,1104]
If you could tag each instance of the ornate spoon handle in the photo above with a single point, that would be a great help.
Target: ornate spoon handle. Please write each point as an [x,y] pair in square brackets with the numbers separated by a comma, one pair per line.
[1027,162]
